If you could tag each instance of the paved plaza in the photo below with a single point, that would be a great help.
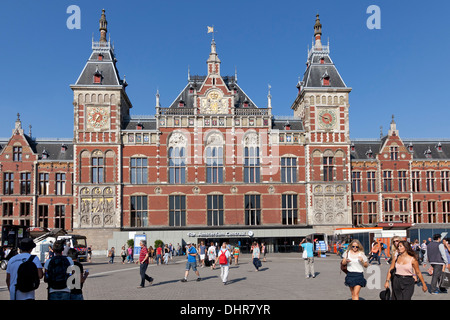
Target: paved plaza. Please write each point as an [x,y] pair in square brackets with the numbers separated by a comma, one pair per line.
[280,278]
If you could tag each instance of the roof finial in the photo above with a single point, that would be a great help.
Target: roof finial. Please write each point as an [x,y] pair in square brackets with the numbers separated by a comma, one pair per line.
[318,33]
[103,26]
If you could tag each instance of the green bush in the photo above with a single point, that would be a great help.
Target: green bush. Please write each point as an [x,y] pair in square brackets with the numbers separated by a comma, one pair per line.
[158,242]
[130,243]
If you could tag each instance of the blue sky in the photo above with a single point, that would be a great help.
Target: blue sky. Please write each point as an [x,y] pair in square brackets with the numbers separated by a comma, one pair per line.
[401,69]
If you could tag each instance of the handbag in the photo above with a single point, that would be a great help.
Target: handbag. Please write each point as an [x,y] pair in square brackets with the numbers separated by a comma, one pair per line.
[344,266]
[305,254]
[445,280]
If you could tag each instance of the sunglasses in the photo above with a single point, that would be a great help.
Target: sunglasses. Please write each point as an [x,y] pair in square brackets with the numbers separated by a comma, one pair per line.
[355,246]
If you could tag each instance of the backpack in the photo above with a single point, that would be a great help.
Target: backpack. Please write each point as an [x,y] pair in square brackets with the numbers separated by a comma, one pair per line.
[57,272]
[223,258]
[27,276]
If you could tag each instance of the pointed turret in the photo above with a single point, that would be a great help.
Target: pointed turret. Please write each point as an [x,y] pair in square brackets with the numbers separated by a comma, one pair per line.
[213,60]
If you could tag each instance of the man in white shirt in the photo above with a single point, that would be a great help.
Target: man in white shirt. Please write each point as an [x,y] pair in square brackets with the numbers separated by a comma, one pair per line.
[224,258]
[26,246]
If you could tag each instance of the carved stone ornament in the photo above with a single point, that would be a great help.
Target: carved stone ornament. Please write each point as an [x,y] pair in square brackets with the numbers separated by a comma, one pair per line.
[177,139]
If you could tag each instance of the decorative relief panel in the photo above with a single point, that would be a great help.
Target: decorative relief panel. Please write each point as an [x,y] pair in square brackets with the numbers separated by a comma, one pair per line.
[328,204]
[97,207]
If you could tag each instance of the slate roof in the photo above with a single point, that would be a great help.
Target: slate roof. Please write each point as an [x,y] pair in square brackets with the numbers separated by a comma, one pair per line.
[52,148]
[195,82]
[279,124]
[316,71]
[106,67]
[422,149]
[147,122]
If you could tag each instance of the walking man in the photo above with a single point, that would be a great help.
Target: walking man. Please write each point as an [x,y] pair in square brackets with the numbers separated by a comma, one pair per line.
[57,271]
[436,256]
[191,253]
[224,259]
[143,264]
[309,261]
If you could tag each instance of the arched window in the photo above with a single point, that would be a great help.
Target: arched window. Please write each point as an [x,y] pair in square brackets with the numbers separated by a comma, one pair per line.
[177,158]
[214,159]
[177,165]
[251,159]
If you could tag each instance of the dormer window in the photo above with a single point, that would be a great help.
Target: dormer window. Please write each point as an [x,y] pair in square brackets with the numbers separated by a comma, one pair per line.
[369,153]
[352,147]
[287,126]
[97,76]
[139,126]
[410,147]
[63,148]
[191,90]
[44,154]
[427,153]
[439,147]
[181,104]
[245,104]
[322,60]
[100,57]
[326,82]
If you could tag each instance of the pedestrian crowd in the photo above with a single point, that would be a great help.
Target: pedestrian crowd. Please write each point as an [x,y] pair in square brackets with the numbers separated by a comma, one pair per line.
[65,276]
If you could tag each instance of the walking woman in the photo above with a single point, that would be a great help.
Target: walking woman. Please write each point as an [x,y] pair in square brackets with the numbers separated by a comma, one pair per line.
[356,261]
[403,269]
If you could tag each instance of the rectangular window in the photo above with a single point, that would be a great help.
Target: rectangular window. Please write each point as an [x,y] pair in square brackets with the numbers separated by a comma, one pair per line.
[431,206]
[415,181]
[252,210]
[403,205]
[177,211]
[387,181]
[356,181]
[371,181]
[60,216]
[446,211]
[402,181]
[138,211]
[251,165]
[138,170]
[290,209]
[60,184]
[43,184]
[97,170]
[8,183]
[430,181]
[214,165]
[372,207]
[388,205]
[43,216]
[215,210]
[445,181]
[394,153]
[25,183]
[357,207]
[8,209]
[17,153]
[417,212]
[25,209]
[288,170]
[327,168]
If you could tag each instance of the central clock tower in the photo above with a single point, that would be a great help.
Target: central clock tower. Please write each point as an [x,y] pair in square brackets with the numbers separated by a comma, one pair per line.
[322,104]
[101,105]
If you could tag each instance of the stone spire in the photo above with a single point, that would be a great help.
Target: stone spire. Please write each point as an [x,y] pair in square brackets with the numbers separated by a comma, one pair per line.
[103,27]
[213,60]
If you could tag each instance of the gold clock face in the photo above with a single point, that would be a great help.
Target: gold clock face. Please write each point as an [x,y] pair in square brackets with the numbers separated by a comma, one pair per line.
[97,117]
[327,119]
